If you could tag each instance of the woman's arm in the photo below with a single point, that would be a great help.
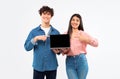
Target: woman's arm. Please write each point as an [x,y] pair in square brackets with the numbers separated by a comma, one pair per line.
[84,37]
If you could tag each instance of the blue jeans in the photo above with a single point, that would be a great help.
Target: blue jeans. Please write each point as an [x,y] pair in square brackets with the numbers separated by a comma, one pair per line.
[47,74]
[76,67]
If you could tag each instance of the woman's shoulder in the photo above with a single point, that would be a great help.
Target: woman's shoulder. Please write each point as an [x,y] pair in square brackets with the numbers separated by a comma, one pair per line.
[83,32]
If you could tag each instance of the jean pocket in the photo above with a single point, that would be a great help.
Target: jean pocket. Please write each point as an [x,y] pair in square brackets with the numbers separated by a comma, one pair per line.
[82,57]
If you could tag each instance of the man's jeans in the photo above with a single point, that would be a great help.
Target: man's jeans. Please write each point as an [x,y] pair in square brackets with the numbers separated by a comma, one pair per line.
[76,67]
[47,74]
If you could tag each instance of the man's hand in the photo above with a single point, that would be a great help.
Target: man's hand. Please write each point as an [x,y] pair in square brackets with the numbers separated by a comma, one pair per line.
[65,50]
[41,37]
[56,51]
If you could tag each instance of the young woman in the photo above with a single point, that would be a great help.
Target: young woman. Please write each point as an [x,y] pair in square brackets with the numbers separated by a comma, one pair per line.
[76,61]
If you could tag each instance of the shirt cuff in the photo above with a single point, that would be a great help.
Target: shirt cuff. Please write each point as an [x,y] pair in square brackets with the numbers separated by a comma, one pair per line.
[32,41]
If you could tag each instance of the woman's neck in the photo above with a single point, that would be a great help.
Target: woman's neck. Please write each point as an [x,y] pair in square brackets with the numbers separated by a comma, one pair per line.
[75,30]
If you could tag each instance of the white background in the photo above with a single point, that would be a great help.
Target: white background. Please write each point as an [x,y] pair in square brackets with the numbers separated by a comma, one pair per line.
[101,20]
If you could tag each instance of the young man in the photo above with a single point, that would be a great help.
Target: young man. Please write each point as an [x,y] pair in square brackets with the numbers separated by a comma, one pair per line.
[44,60]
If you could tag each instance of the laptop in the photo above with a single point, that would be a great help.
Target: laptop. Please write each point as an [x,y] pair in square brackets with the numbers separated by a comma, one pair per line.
[59,41]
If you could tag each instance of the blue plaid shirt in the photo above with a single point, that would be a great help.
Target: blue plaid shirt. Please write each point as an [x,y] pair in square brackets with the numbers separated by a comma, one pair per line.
[44,58]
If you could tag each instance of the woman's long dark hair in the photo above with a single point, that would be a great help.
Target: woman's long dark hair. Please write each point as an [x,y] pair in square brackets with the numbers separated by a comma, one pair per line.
[80,26]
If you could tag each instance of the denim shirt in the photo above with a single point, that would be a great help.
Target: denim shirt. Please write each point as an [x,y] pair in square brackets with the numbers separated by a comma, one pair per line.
[44,59]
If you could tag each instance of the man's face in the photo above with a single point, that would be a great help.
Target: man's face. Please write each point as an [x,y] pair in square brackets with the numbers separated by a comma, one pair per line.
[46,16]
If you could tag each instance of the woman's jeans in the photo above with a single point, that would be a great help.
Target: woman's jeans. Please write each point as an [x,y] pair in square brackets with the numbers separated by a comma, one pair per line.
[76,67]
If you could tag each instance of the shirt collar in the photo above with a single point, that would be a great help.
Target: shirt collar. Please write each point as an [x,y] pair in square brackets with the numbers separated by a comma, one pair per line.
[39,28]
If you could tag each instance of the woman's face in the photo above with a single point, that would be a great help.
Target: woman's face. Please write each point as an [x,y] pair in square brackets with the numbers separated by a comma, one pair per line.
[75,22]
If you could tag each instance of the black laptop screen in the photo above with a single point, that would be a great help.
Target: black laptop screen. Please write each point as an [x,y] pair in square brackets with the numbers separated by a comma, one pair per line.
[60,41]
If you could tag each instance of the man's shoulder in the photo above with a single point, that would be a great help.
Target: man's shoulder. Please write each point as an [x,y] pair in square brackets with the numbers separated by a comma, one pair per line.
[54,29]
[35,28]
